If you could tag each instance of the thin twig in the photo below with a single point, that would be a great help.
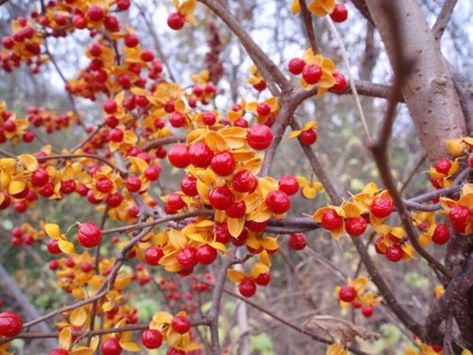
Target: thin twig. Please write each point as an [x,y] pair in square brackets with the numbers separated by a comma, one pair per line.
[443,19]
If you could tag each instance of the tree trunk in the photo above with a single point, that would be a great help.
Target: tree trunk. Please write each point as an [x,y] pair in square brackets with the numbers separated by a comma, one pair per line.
[429,92]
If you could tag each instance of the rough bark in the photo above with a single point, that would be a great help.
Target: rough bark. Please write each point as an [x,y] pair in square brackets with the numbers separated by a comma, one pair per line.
[429,92]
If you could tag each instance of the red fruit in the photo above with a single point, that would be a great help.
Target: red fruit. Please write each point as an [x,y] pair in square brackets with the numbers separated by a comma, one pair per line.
[189,185]
[151,338]
[179,155]
[297,241]
[340,84]
[7,42]
[443,166]
[256,227]
[133,183]
[260,86]
[278,202]
[296,65]
[355,226]
[89,235]
[331,220]
[201,155]
[40,177]
[53,246]
[86,267]
[347,294]
[458,216]
[206,254]
[110,106]
[441,234]
[244,181]
[288,184]
[237,209]
[116,135]
[123,5]
[20,206]
[308,137]
[152,172]
[111,347]
[147,55]
[59,352]
[53,265]
[177,119]
[260,137]
[209,118]
[10,324]
[311,73]
[28,137]
[381,207]
[176,21]
[9,126]
[153,255]
[263,279]
[187,257]
[181,325]
[394,253]
[367,311]
[95,13]
[221,198]
[131,40]
[339,14]
[6,201]
[104,185]
[95,51]
[247,287]
[68,186]
[176,202]
[221,232]
[241,122]
[263,109]
[223,163]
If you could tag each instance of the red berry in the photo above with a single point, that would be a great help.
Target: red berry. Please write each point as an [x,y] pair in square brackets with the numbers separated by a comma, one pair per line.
[110,106]
[223,163]
[441,234]
[147,55]
[28,137]
[237,209]
[200,155]
[241,122]
[263,279]
[288,184]
[367,311]
[133,183]
[381,207]
[123,5]
[263,109]
[206,254]
[131,40]
[175,201]
[177,119]
[394,253]
[189,186]
[260,86]
[53,265]
[153,255]
[53,246]
[443,166]
[260,137]
[297,241]
[221,232]
[347,294]
[176,21]
[6,201]
[308,137]
[244,181]
[311,73]
[470,160]
[104,185]
[59,352]
[89,235]
[221,198]
[458,216]
[256,227]
[181,325]
[340,13]
[340,83]
[40,177]
[151,338]
[296,65]
[116,135]
[278,202]
[355,226]
[95,13]
[10,324]
[111,347]
[179,155]
[331,220]
[247,287]
[187,257]
[152,172]
[209,118]
[9,126]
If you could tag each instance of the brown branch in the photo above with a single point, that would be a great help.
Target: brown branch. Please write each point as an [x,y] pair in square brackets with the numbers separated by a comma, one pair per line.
[217,293]
[309,26]
[162,141]
[83,155]
[379,148]
[443,19]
